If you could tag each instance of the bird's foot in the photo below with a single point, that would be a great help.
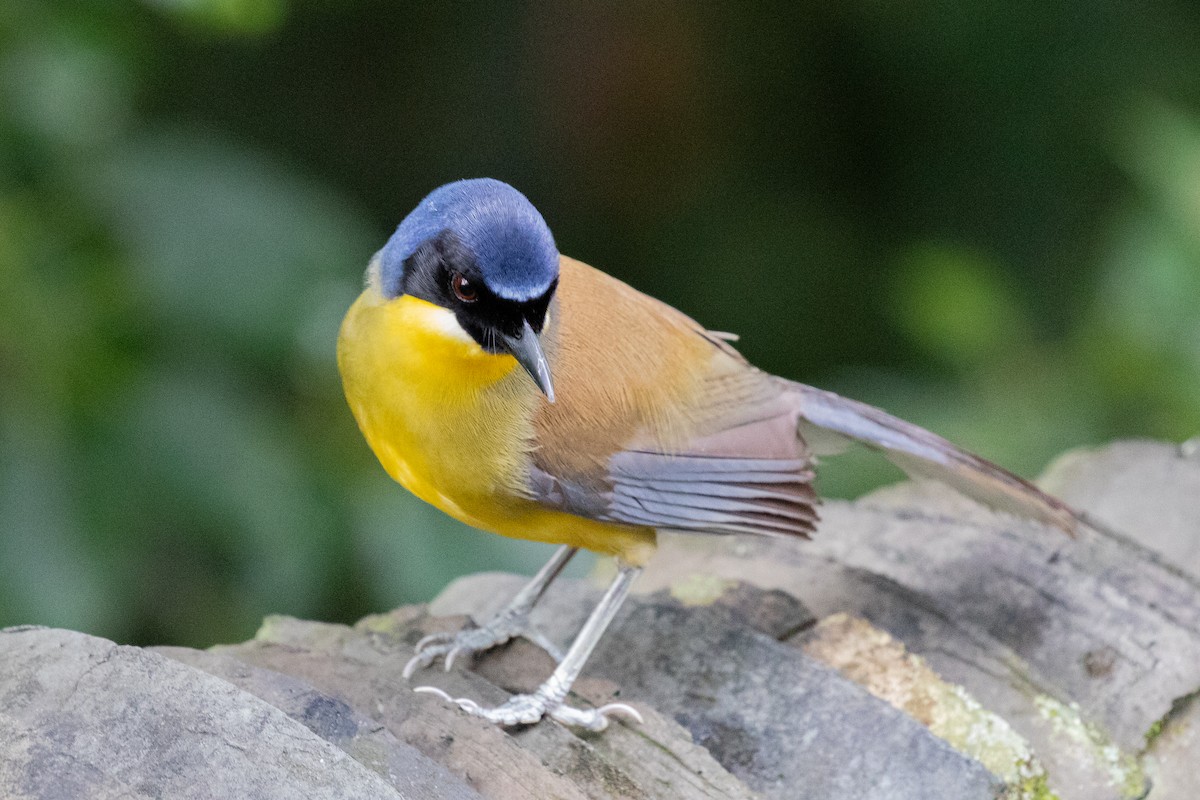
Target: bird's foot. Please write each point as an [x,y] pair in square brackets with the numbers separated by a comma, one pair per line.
[508,624]
[526,709]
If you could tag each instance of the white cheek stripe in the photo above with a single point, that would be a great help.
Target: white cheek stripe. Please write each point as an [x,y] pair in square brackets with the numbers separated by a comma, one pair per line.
[443,321]
[373,279]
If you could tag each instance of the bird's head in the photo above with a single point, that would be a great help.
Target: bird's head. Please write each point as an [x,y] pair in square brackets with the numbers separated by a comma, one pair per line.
[479,249]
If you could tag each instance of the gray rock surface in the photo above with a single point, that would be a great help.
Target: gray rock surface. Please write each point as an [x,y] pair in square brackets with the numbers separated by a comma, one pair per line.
[787,725]
[411,773]
[362,666]
[1150,491]
[918,647]
[1082,646]
[1173,754]
[81,717]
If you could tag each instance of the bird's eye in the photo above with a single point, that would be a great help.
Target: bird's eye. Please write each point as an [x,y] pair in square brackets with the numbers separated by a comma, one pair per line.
[463,289]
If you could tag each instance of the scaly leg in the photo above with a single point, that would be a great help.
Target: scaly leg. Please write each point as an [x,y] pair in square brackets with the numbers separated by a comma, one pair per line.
[511,622]
[523,709]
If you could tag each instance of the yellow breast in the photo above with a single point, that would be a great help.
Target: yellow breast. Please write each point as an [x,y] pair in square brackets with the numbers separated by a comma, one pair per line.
[446,419]
[453,423]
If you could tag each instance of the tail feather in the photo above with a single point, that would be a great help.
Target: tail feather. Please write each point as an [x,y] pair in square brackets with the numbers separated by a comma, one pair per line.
[922,454]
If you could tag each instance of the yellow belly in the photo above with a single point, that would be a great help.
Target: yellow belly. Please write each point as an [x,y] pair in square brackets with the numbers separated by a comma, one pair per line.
[452,423]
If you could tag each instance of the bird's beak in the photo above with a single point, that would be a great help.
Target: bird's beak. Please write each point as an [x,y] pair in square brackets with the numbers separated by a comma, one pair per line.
[526,348]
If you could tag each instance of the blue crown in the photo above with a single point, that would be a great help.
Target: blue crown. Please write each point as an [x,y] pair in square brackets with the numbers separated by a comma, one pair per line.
[511,243]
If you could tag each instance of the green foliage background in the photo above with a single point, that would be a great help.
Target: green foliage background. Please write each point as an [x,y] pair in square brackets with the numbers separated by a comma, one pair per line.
[983,216]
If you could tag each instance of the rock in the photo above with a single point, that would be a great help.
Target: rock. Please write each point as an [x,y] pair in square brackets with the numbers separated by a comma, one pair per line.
[1082,647]
[883,666]
[1171,753]
[81,717]
[1149,491]
[920,646]
[788,726]
[406,769]
[362,667]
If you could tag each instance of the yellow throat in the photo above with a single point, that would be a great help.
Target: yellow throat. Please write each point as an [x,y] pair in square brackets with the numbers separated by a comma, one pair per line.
[440,412]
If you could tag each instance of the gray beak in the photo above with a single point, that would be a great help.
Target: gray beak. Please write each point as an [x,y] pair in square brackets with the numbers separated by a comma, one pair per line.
[526,348]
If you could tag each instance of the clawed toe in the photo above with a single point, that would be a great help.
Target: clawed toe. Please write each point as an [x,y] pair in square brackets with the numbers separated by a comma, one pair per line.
[594,719]
[455,652]
[526,709]
[450,646]
[428,649]
[517,711]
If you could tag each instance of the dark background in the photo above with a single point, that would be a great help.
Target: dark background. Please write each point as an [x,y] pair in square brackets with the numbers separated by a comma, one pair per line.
[983,216]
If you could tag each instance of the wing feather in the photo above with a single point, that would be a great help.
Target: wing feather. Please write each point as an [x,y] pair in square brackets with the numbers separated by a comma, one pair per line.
[661,424]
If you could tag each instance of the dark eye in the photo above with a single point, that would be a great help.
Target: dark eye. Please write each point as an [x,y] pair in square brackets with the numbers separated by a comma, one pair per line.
[463,289]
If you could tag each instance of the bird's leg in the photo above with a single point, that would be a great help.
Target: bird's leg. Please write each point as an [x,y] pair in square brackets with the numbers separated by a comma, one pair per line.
[511,622]
[523,709]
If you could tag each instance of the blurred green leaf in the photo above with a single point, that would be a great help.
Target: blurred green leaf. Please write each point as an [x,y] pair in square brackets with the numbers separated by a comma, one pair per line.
[197,437]
[47,574]
[1150,289]
[66,90]
[246,17]
[1160,148]
[408,549]
[223,241]
[956,305]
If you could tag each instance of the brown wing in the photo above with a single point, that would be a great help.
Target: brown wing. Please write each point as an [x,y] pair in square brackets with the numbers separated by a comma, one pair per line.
[660,423]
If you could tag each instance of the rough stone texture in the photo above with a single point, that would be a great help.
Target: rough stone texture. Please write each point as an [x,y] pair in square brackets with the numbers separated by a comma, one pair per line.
[1173,754]
[1081,646]
[362,666]
[410,772]
[883,666]
[788,726]
[81,717]
[918,647]
[1148,490]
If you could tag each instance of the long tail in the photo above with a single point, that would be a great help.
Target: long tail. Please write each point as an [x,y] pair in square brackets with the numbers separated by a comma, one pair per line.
[922,454]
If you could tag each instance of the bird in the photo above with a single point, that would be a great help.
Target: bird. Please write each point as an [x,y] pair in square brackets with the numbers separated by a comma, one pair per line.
[530,395]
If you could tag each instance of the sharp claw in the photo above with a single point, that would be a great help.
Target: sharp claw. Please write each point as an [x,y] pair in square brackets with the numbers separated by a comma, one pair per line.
[465,703]
[617,709]
[448,660]
[412,666]
[425,641]
[594,720]
[469,706]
